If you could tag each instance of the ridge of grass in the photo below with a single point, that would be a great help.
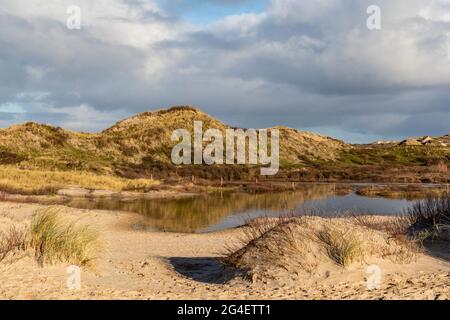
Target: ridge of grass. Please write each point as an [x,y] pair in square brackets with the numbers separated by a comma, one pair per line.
[34,182]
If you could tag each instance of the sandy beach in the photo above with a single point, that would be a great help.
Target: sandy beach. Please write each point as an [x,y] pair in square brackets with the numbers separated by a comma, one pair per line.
[137,264]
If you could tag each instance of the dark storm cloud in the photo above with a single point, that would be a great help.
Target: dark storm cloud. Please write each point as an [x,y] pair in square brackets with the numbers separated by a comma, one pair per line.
[305,64]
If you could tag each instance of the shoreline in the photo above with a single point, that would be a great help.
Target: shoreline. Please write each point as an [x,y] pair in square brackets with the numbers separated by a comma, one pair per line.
[189,190]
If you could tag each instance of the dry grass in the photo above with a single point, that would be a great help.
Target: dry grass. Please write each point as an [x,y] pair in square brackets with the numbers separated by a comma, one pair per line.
[257,228]
[394,226]
[400,192]
[274,239]
[13,180]
[440,166]
[343,245]
[12,241]
[301,245]
[401,247]
[55,240]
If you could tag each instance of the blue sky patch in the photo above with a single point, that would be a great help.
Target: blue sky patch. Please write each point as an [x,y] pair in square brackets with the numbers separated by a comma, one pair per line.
[207,11]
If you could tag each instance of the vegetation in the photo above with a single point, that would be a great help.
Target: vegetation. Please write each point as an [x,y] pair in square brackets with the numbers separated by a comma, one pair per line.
[430,218]
[55,240]
[13,180]
[140,146]
[12,241]
[343,246]
[301,243]
[273,239]
[52,239]
[403,192]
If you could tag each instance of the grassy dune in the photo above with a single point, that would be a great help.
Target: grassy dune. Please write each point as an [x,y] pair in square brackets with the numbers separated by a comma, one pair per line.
[303,244]
[142,144]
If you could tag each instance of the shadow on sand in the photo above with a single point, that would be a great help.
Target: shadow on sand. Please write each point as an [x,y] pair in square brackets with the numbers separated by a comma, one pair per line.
[202,269]
[438,249]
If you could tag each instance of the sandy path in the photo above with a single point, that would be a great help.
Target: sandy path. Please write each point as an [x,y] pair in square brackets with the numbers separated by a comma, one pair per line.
[155,265]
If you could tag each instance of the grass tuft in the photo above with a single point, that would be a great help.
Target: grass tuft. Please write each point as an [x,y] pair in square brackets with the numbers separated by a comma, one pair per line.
[11,242]
[430,218]
[55,240]
[343,246]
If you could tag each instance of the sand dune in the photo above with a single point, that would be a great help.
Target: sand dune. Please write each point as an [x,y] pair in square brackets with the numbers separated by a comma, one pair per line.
[154,265]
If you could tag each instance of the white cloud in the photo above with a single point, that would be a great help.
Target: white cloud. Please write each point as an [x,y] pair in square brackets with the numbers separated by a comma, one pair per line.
[300,63]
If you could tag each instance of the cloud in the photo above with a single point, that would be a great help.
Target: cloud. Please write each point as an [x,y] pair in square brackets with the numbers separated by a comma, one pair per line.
[309,64]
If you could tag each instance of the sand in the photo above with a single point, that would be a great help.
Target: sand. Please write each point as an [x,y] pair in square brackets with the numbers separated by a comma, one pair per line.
[156,265]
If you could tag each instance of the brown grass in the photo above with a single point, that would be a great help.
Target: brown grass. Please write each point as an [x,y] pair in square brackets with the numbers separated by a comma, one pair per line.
[394,226]
[31,182]
[404,248]
[12,241]
[440,166]
[401,192]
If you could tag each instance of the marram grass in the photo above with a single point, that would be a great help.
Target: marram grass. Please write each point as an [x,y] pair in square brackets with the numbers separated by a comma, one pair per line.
[343,246]
[56,240]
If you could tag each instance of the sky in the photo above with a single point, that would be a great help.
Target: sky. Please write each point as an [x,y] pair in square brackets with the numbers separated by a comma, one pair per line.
[310,64]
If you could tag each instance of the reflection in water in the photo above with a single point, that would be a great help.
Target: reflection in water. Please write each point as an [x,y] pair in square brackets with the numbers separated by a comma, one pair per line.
[221,211]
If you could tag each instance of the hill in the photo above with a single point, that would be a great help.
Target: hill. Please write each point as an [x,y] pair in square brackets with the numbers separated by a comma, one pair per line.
[142,143]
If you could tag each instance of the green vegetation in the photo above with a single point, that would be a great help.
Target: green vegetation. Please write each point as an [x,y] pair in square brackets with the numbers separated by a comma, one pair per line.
[141,145]
[394,155]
